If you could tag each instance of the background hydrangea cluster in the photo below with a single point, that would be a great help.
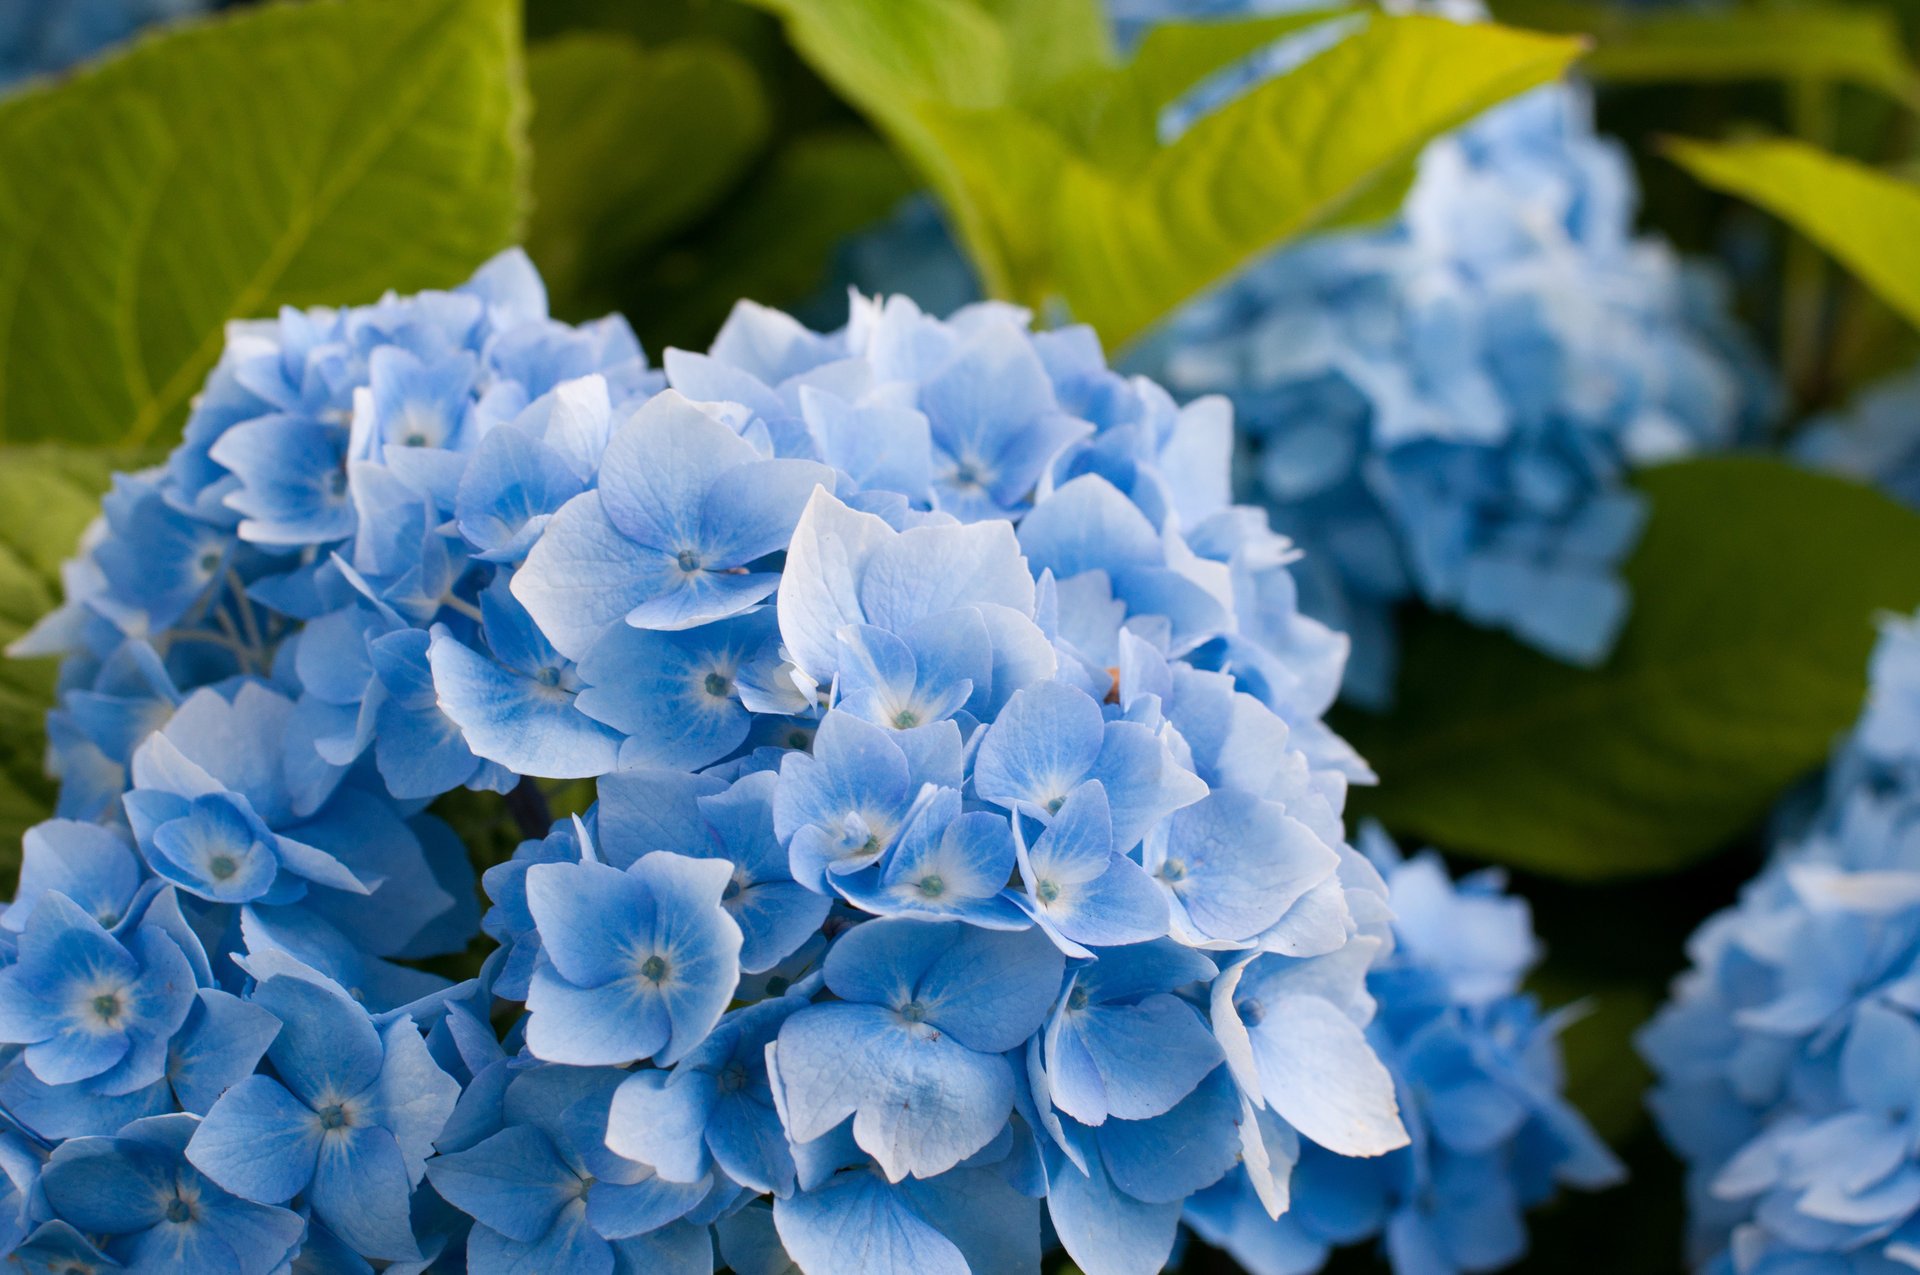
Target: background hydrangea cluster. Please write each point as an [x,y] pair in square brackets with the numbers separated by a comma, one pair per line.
[39,38]
[1875,439]
[968,839]
[1476,1067]
[1448,407]
[1789,1056]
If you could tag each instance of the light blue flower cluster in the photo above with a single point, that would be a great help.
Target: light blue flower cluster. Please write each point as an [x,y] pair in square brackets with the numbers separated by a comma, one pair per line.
[38,38]
[1477,1070]
[1789,1055]
[1876,439]
[968,841]
[1450,408]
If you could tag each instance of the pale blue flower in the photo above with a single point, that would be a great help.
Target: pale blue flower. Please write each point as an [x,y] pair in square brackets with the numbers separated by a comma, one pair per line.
[974,748]
[1875,439]
[1785,1057]
[149,1209]
[1477,1072]
[347,1120]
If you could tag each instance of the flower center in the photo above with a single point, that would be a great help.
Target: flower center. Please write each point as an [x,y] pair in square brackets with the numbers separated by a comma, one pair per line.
[209,562]
[914,1012]
[1174,870]
[1053,807]
[548,677]
[1047,891]
[966,474]
[718,686]
[906,719]
[107,1006]
[222,866]
[733,1079]
[178,1210]
[932,886]
[1077,998]
[654,969]
[332,1116]
[689,561]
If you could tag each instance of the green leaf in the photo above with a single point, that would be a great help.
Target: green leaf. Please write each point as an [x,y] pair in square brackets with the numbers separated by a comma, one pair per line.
[288,154]
[1864,218]
[1063,190]
[773,240]
[1292,155]
[1822,43]
[630,146]
[61,489]
[1755,590]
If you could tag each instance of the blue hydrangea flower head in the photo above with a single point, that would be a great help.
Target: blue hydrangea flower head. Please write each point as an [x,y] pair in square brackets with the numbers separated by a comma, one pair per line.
[1875,439]
[967,837]
[1786,1055]
[1477,1068]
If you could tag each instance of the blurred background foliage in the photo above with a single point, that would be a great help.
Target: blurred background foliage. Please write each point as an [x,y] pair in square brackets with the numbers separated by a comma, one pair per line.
[668,157]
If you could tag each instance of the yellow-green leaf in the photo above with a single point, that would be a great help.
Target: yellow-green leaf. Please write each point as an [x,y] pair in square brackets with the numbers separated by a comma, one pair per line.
[1064,191]
[1291,155]
[51,495]
[1869,221]
[285,154]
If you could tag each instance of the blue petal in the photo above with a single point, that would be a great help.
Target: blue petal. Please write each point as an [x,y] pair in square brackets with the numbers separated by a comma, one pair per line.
[221,1044]
[258,1141]
[513,1179]
[360,1190]
[856,1222]
[327,1048]
[921,1101]
[526,724]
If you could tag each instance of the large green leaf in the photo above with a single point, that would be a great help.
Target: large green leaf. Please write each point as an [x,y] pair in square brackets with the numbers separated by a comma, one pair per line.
[1128,246]
[630,145]
[773,240]
[1864,218]
[1835,43]
[1755,590]
[1063,190]
[51,495]
[289,154]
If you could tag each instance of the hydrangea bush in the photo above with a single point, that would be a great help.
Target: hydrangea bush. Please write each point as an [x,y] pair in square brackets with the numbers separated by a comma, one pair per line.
[968,841]
[1789,1055]
[1477,1070]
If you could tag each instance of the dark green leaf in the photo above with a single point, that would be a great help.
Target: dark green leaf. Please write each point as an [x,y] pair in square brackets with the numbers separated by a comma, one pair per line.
[630,145]
[1834,43]
[289,154]
[772,241]
[1755,591]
